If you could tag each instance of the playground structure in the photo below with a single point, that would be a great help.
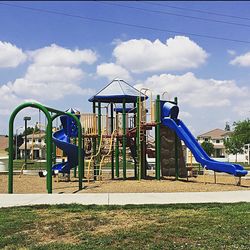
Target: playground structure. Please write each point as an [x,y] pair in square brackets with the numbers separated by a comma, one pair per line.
[119,127]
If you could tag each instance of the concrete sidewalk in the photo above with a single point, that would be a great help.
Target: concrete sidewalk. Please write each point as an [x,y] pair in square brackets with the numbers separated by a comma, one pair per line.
[10,200]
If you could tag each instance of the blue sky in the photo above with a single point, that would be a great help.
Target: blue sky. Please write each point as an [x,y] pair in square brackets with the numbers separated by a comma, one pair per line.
[210,77]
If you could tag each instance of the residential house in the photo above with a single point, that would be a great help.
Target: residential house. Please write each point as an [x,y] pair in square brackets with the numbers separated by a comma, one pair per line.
[36,146]
[3,142]
[3,145]
[217,137]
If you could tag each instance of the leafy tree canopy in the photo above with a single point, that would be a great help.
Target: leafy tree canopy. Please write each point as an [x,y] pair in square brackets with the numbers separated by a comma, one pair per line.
[239,137]
[208,147]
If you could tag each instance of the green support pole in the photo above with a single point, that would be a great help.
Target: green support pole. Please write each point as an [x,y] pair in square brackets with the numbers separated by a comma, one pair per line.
[74,142]
[117,157]
[135,163]
[138,140]
[176,150]
[80,153]
[49,155]
[112,129]
[94,139]
[143,156]
[99,134]
[124,138]
[54,152]
[99,123]
[157,139]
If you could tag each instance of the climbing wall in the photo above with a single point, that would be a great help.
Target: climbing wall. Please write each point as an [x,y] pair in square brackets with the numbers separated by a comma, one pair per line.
[168,154]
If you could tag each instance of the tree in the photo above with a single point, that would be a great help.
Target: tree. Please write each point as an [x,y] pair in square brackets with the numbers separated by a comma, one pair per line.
[240,136]
[30,130]
[234,145]
[242,130]
[208,147]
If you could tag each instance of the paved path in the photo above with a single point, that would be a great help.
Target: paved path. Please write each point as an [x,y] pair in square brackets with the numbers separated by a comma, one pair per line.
[9,200]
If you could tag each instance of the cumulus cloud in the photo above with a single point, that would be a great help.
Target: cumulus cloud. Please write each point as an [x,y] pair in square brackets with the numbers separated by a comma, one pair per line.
[54,72]
[8,99]
[10,55]
[231,52]
[56,55]
[142,55]
[112,71]
[196,92]
[242,60]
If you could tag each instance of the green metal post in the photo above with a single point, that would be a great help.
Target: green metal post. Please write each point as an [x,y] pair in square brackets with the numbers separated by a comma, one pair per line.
[112,129]
[135,163]
[124,138]
[74,142]
[157,139]
[80,152]
[94,138]
[176,150]
[96,170]
[99,123]
[49,155]
[54,152]
[138,139]
[117,157]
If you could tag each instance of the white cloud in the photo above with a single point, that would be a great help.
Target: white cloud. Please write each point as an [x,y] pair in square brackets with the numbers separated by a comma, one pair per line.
[10,55]
[231,52]
[242,60]
[184,114]
[196,92]
[54,73]
[242,108]
[8,99]
[204,103]
[112,71]
[142,55]
[56,55]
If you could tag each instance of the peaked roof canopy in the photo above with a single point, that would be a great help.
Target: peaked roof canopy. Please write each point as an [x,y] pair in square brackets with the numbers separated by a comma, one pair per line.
[73,111]
[117,91]
[214,134]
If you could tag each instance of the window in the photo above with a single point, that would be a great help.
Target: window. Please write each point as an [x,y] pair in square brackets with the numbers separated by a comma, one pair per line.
[206,139]
[217,141]
[39,140]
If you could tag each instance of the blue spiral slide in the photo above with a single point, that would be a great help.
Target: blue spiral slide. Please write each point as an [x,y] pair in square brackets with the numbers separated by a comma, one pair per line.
[61,138]
[169,119]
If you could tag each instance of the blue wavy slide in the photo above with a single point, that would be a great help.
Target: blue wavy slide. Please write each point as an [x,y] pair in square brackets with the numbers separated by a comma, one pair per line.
[200,155]
[62,140]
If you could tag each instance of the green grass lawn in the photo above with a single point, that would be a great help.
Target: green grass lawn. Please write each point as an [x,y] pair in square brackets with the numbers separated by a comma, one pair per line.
[207,226]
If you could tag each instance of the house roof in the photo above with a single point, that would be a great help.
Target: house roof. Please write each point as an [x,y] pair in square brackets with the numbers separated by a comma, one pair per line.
[3,141]
[117,91]
[37,135]
[214,134]
[30,146]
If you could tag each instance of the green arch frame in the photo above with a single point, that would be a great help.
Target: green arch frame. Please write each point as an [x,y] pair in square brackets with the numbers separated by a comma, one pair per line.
[50,119]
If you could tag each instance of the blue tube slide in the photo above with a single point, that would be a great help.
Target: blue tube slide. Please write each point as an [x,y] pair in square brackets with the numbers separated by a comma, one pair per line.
[61,139]
[170,120]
